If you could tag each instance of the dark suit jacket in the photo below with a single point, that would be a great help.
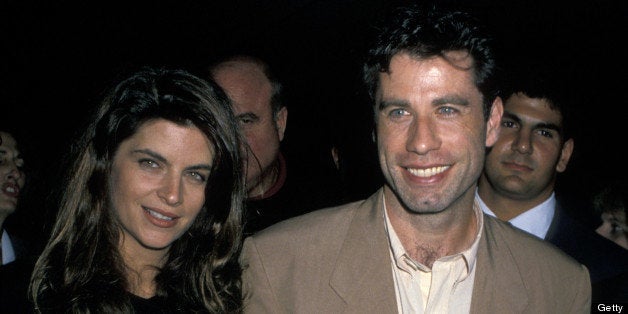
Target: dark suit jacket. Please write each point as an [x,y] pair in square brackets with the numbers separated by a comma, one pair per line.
[337,260]
[21,247]
[606,261]
[14,281]
[15,277]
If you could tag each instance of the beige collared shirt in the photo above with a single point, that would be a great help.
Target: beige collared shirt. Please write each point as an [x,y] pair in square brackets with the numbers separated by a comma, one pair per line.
[446,288]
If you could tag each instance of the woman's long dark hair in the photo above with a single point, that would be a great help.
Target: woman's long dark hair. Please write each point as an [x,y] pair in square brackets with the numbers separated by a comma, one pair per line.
[81,269]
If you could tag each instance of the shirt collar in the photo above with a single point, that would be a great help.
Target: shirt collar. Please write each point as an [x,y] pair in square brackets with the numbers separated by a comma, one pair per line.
[8,254]
[535,220]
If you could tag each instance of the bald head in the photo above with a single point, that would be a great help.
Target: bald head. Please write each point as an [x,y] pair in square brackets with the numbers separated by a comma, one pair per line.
[248,85]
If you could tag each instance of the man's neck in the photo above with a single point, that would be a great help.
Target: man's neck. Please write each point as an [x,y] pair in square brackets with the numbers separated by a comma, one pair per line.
[428,237]
[269,179]
[506,207]
[272,182]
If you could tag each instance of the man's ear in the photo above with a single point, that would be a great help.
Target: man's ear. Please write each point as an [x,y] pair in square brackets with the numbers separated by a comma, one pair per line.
[281,119]
[494,121]
[565,155]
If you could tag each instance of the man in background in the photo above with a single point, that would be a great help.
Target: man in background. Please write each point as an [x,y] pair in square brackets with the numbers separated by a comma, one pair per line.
[276,191]
[535,144]
[12,181]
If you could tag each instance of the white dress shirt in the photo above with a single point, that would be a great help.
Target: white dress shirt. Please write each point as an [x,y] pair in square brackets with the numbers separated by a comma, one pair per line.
[536,220]
[8,255]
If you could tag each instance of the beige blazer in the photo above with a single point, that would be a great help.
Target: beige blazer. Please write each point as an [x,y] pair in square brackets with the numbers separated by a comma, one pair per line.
[337,260]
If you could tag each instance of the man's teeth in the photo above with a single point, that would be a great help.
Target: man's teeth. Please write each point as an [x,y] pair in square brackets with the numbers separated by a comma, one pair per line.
[158,215]
[427,172]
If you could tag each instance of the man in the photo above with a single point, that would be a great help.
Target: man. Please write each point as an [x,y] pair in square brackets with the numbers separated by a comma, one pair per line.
[273,193]
[535,145]
[12,180]
[420,243]
[17,253]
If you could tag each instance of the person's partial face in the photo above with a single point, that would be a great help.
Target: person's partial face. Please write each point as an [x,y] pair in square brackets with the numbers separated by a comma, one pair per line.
[12,177]
[529,151]
[614,227]
[431,132]
[250,92]
[157,184]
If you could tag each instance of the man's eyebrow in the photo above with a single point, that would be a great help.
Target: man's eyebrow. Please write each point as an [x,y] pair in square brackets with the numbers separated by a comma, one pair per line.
[392,103]
[511,116]
[551,126]
[451,99]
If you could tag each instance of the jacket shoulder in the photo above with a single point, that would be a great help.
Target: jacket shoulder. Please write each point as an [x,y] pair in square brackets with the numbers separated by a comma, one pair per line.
[318,224]
[526,247]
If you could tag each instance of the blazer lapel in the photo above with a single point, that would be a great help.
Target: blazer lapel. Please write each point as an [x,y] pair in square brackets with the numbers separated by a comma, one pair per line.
[363,275]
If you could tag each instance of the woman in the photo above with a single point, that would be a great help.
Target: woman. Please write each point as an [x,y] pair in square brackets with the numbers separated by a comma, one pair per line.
[150,217]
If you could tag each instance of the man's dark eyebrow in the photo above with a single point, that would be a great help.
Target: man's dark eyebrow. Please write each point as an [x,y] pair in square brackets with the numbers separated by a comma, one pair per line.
[452,99]
[550,126]
[392,103]
[248,115]
[511,116]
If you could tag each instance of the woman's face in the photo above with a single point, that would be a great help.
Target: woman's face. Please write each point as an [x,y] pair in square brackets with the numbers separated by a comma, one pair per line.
[158,184]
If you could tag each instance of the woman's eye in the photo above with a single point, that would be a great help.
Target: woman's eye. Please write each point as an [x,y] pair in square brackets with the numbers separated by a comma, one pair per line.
[198,176]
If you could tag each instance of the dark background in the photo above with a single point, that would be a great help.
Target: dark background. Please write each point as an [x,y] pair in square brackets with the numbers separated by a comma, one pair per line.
[58,58]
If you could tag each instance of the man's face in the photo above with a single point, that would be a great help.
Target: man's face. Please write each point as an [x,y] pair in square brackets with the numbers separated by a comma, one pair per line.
[529,152]
[250,92]
[431,132]
[12,177]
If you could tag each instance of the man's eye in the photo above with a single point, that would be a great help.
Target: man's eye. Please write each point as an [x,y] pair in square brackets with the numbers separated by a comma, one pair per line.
[245,120]
[148,163]
[447,111]
[397,112]
[546,133]
[508,124]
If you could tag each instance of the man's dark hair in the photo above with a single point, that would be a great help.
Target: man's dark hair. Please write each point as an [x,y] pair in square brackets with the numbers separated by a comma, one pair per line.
[425,31]
[539,80]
